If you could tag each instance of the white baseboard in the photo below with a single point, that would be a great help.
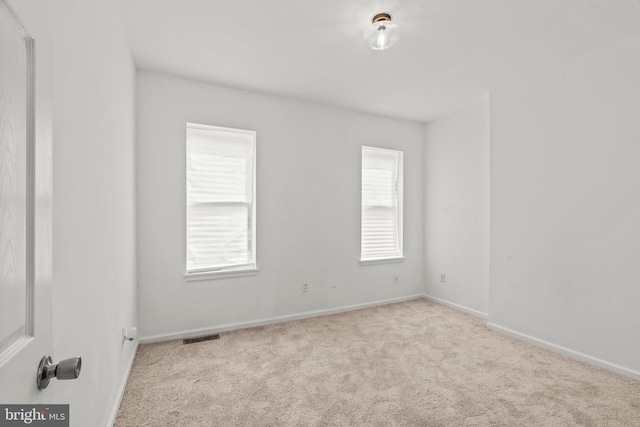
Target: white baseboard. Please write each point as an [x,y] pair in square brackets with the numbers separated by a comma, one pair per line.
[123,385]
[269,321]
[630,373]
[456,306]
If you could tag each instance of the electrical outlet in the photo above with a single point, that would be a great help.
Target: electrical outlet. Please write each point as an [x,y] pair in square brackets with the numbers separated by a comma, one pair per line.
[396,279]
[442,278]
[305,288]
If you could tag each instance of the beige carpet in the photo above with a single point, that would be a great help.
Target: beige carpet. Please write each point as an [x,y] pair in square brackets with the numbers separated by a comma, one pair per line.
[408,364]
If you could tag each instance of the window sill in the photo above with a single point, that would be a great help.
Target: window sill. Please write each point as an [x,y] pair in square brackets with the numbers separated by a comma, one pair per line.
[381,261]
[222,274]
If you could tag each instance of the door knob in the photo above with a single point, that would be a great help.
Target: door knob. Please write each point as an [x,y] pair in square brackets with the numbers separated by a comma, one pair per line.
[68,369]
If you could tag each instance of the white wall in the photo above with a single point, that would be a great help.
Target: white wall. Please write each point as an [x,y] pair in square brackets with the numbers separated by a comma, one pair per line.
[456,198]
[308,207]
[94,290]
[565,205]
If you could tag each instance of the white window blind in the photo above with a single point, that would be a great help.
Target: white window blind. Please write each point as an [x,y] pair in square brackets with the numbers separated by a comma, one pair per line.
[381,207]
[220,198]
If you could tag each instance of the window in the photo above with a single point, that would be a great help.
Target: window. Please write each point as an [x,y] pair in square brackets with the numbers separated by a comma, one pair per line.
[221,231]
[381,233]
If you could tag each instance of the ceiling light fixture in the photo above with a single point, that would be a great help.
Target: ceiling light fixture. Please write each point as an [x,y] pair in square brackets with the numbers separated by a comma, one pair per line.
[382,33]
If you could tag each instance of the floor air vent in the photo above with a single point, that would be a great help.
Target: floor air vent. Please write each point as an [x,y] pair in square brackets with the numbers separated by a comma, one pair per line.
[201,338]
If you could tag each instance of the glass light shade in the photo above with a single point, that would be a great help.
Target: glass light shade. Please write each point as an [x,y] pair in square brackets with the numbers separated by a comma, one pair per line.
[381,35]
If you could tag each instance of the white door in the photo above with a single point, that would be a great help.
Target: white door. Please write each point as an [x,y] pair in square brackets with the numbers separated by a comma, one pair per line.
[25,198]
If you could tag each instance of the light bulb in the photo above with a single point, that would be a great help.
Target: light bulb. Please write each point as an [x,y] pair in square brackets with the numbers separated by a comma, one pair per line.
[382,33]
[381,40]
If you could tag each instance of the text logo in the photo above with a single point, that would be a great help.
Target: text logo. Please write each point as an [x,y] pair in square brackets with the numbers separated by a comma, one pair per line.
[34,415]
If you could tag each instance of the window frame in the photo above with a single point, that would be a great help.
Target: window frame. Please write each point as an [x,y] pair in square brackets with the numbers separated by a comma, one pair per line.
[399,207]
[234,270]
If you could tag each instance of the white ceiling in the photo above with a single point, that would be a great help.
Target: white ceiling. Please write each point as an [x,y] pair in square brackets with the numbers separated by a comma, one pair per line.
[449,54]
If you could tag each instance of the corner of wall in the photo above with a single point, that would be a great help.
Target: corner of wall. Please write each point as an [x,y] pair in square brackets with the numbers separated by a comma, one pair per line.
[456,207]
